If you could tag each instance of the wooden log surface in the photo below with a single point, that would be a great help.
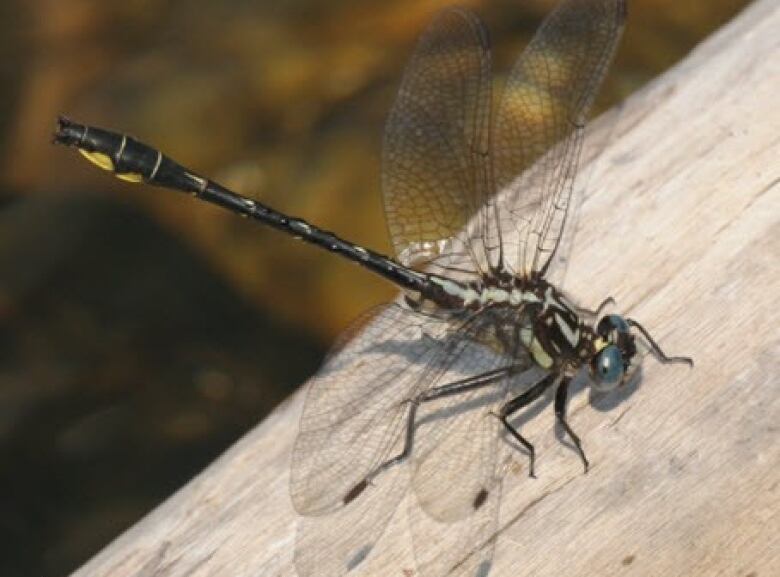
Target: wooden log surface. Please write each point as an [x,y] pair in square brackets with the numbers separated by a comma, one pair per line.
[681,224]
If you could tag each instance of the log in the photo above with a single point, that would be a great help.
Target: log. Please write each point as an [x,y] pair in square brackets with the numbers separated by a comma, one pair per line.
[680,225]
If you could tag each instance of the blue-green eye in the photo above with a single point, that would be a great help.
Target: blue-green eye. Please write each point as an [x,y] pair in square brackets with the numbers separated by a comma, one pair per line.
[611,323]
[619,323]
[607,367]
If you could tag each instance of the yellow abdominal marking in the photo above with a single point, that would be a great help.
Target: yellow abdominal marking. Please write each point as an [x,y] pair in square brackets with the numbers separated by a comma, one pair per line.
[599,344]
[130,176]
[99,159]
[104,161]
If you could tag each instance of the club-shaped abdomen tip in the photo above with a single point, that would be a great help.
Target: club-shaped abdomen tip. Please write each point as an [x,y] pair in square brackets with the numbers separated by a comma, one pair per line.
[68,133]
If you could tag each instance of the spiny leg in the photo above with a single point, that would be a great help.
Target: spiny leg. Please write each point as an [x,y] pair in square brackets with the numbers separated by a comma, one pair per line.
[660,355]
[514,405]
[561,395]
[439,392]
[609,301]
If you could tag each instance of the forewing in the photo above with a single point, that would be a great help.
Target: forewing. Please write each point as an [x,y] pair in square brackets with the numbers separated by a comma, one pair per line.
[458,436]
[539,125]
[436,145]
[356,407]
[460,454]
[335,544]
[463,548]
[457,482]
[353,420]
[595,140]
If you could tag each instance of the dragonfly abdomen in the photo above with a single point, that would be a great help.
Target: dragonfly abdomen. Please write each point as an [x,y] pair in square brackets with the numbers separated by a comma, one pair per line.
[126,157]
[135,161]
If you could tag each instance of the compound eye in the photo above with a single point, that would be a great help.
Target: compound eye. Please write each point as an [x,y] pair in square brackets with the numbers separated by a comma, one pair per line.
[607,367]
[619,323]
[611,323]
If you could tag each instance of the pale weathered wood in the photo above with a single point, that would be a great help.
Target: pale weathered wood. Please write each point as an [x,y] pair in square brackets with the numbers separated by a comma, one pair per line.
[681,227]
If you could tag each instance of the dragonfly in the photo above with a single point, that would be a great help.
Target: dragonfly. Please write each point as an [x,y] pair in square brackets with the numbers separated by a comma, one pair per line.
[420,396]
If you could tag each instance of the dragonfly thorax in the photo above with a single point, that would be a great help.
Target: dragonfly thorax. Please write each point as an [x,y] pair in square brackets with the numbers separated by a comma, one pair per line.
[546,324]
[451,295]
[554,332]
[536,316]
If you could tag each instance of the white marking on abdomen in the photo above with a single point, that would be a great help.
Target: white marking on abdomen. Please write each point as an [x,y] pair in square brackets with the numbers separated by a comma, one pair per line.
[468,295]
[157,164]
[493,295]
[514,297]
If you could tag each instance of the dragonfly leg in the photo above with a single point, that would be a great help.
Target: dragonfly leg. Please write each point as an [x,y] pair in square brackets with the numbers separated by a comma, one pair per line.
[609,301]
[523,400]
[659,354]
[439,392]
[561,395]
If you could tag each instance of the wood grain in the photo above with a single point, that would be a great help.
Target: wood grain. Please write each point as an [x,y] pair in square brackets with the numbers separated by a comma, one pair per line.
[681,226]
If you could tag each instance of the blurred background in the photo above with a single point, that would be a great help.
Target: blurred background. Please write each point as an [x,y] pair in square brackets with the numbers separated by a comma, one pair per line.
[141,332]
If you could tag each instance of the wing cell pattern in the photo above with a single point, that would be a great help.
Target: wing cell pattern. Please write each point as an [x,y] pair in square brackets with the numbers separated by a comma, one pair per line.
[466,193]
[469,195]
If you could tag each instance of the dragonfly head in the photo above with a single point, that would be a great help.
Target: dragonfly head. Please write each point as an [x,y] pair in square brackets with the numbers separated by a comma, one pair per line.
[614,350]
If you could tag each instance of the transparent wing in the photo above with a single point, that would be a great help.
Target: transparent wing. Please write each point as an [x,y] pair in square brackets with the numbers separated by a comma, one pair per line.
[462,548]
[537,134]
[457,481]
[459,436]
[459,456]
[336,543]
[435,152]
[354,420]
[356,406]
[595,140]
